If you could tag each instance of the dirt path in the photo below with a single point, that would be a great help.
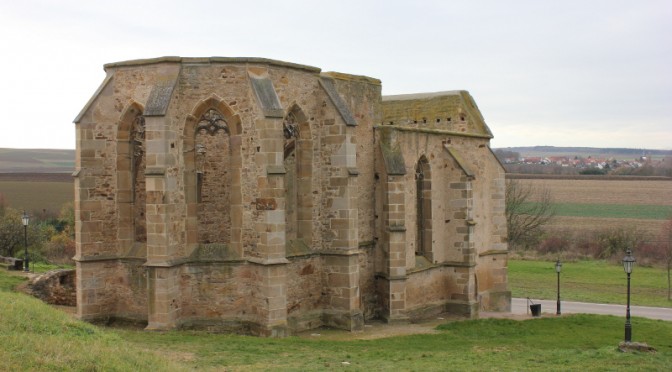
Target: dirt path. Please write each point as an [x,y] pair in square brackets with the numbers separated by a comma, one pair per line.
[378,329]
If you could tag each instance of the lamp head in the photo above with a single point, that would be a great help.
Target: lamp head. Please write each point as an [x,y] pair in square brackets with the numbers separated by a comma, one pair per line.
[558,266]
[628,262]
[25,219]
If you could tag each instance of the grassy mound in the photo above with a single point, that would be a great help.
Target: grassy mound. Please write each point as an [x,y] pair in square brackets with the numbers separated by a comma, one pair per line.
[36,337]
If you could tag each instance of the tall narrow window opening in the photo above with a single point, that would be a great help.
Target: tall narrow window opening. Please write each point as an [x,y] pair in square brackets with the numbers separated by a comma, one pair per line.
[298,177]
[139,195]
[213,191]
[423,182]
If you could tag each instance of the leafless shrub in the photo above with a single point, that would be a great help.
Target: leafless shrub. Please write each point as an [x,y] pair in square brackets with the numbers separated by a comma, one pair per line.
[526,217]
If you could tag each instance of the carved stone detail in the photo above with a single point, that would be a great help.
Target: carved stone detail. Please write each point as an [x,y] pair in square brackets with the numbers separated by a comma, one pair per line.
[138,136]
[212,122]
[200,158]
[290,127]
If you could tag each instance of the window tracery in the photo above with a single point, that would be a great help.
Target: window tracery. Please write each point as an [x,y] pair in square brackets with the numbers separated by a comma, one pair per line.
[138,134]
[290,127]
[212,122]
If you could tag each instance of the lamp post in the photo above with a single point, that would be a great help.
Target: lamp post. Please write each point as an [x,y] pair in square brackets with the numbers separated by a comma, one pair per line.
[558,268]
[628,263]
[25,219]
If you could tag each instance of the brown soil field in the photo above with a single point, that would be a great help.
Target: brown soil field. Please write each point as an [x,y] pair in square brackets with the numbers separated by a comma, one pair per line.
[36,177]
[640,192]
[37,193]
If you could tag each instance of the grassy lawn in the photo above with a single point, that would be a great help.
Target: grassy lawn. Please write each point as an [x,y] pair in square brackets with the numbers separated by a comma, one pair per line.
[635,211]
[579,342]
[9,282]
[588,281]
[37,337]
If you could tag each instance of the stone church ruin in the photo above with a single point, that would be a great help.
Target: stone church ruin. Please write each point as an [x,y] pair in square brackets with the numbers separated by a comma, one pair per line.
[265,197]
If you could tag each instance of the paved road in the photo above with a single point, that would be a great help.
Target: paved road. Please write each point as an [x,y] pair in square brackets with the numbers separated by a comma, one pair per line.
[519,306]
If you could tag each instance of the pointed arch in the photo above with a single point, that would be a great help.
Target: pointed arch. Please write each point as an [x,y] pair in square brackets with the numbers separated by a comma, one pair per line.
[130,163]
[298,162]
[423,181]
[212,168]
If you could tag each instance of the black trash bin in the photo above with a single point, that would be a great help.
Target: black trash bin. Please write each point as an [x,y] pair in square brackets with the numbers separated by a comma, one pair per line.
[535,309]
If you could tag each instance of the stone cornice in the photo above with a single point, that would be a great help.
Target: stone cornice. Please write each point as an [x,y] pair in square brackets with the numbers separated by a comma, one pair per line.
[349,77]
[211,60]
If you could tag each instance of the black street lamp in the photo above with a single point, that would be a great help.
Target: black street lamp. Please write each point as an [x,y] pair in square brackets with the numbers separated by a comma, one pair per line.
[558,268]
[628,263]
[25,219]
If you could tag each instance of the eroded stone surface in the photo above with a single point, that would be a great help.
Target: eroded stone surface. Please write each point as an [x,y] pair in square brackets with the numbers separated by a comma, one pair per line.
[56,287]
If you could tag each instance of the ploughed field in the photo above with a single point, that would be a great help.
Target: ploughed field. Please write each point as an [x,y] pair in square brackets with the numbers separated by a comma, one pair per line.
[599,204]
[37,192]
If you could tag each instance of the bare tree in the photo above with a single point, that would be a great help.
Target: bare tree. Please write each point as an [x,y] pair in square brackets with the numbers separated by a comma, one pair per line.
[11,232]
[527,211]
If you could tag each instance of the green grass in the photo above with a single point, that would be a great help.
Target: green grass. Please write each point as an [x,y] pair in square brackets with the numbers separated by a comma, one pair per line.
[580,342]
[36,196]
[588,281]
[9,282]
[643,212]
[37,337]
[41,267]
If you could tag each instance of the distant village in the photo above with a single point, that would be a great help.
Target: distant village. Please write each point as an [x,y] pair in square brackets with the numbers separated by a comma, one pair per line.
[586,164]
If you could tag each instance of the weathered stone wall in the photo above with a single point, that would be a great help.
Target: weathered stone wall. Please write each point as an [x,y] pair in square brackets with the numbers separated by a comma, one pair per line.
[428,290]
[213,186]
[370,298]
[131,290]
[263,197]
[493,260]
[364,100]
[450,220]
[110,289]
[56,287]
[97,177]
[305,284]
[216,296]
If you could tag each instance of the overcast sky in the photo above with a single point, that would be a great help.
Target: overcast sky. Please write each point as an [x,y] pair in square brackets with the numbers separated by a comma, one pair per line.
[560,73]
